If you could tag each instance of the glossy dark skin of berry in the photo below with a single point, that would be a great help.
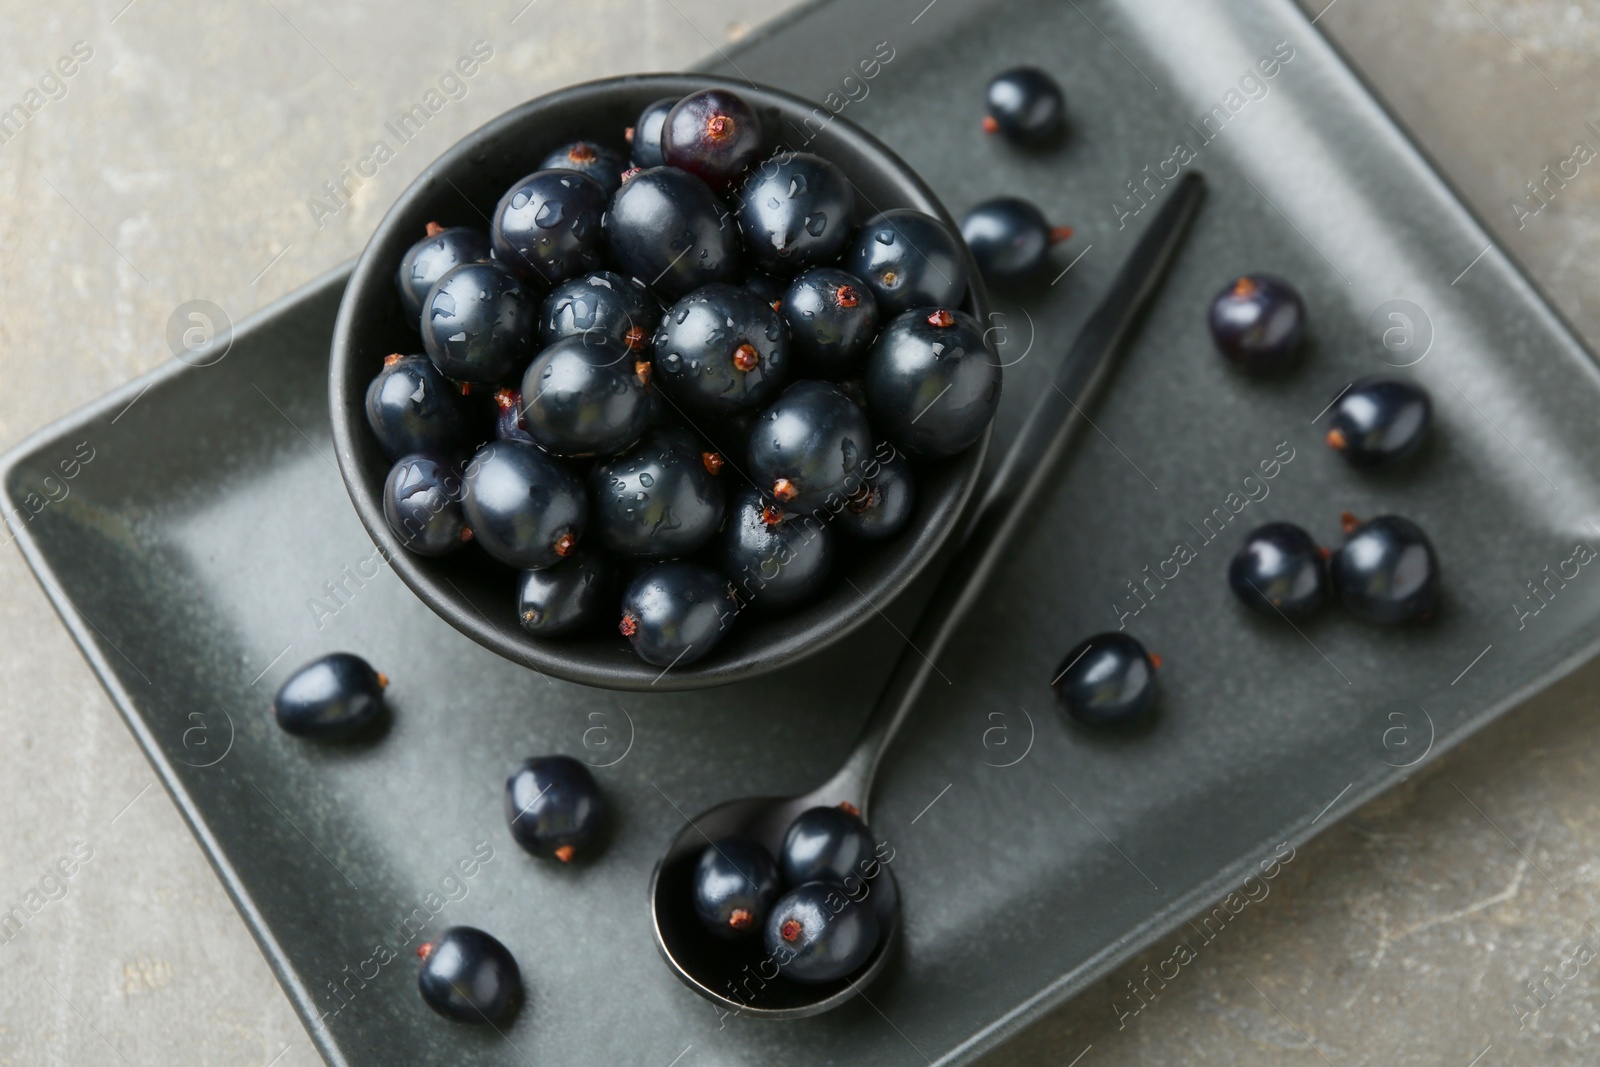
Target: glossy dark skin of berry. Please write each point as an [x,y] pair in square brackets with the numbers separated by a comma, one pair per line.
[526,508]
[443,249]
[658,500]
[883,504]
[676,612]
[668,230]
[584,397]
[602,304]
[807,446]
[554,807]
[713,134]
[330,699]
[827,845]
[931,382]
[1108,680]
[735,885]
[1279,568]
[1387,571]
[547,226]
[816,933]
[477,324]
[1378,421]
[909,260]
[412,408]
[1010,240]
[576,594]
[645,134]
[832,318]
[721,350]
[795,210]
[773,560]
[470,977]
[422,501]
[604,165]
[1258,323]
[1025,106]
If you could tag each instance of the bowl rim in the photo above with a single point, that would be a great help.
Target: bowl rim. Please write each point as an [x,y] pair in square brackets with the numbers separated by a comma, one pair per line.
[552,656]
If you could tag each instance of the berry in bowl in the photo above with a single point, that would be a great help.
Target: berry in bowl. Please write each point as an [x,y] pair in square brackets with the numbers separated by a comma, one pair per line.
[662,415]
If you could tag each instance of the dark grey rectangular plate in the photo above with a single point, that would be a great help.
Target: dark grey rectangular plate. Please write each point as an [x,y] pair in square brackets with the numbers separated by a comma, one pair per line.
[190,556]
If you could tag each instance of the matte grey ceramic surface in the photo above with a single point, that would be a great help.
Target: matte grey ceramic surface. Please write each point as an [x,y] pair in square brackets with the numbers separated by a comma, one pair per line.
[477,596]
[1030,857]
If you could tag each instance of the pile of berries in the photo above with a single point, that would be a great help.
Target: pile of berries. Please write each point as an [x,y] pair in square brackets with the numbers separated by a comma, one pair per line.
[661,391]
[818,911]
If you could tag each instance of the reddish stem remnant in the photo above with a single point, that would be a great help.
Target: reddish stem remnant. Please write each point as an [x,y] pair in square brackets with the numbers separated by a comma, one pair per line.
[745,357]
[581,153]
[642,369]
[565,853]
[1336,439]
[392,358]
[846,296]
[990,125]
[466,388]
[849,808]
[628,626]
[565,544]
[719,127]
[1244,287]
[941,318]
[1348,520]
[383,680]
[863,499]
[505,399]
[530,617]
[713,462]
[627,175]
[1060,233]
[790,930]
[467,534]
[740,918]
[777,305]
[424,950]
[636,338]
[1324,552]
[771,514]
[1155,660]
[784,490]
[627,135]
[433,229]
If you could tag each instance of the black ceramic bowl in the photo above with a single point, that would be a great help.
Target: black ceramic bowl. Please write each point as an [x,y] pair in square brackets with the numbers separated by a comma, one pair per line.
[476,595]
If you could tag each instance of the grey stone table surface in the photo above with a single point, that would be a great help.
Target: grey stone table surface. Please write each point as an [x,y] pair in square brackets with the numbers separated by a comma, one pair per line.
[217,152]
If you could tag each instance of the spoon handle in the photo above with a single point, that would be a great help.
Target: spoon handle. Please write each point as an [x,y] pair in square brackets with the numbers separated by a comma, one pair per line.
[1022,476]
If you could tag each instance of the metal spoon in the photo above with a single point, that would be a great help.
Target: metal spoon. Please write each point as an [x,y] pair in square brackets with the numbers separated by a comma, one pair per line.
[750,984]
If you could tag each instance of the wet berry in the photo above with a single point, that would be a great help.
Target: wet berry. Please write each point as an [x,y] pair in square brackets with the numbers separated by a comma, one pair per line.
[1387,570]
[668,230]
[1279,568]
[882,505]
[422,502]
[806,447]
[477,323]
[657,500]
[1379,421]
[526,508]
[431,258]
[1025,105]
[470,977]
[604,165]
[817,933]
[828,845]
[832,318]
[412,408]
[795,211]
[644,136]
[582,397]
[735,884]
[554,807]
[603,305]
[547,227]
[675,613]
[1258,322]
[713,134]
[721,350]
[575,594]
[1108,680]
[1010,240]
[931,381]
[909,260]
[331,698]
[774,561]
